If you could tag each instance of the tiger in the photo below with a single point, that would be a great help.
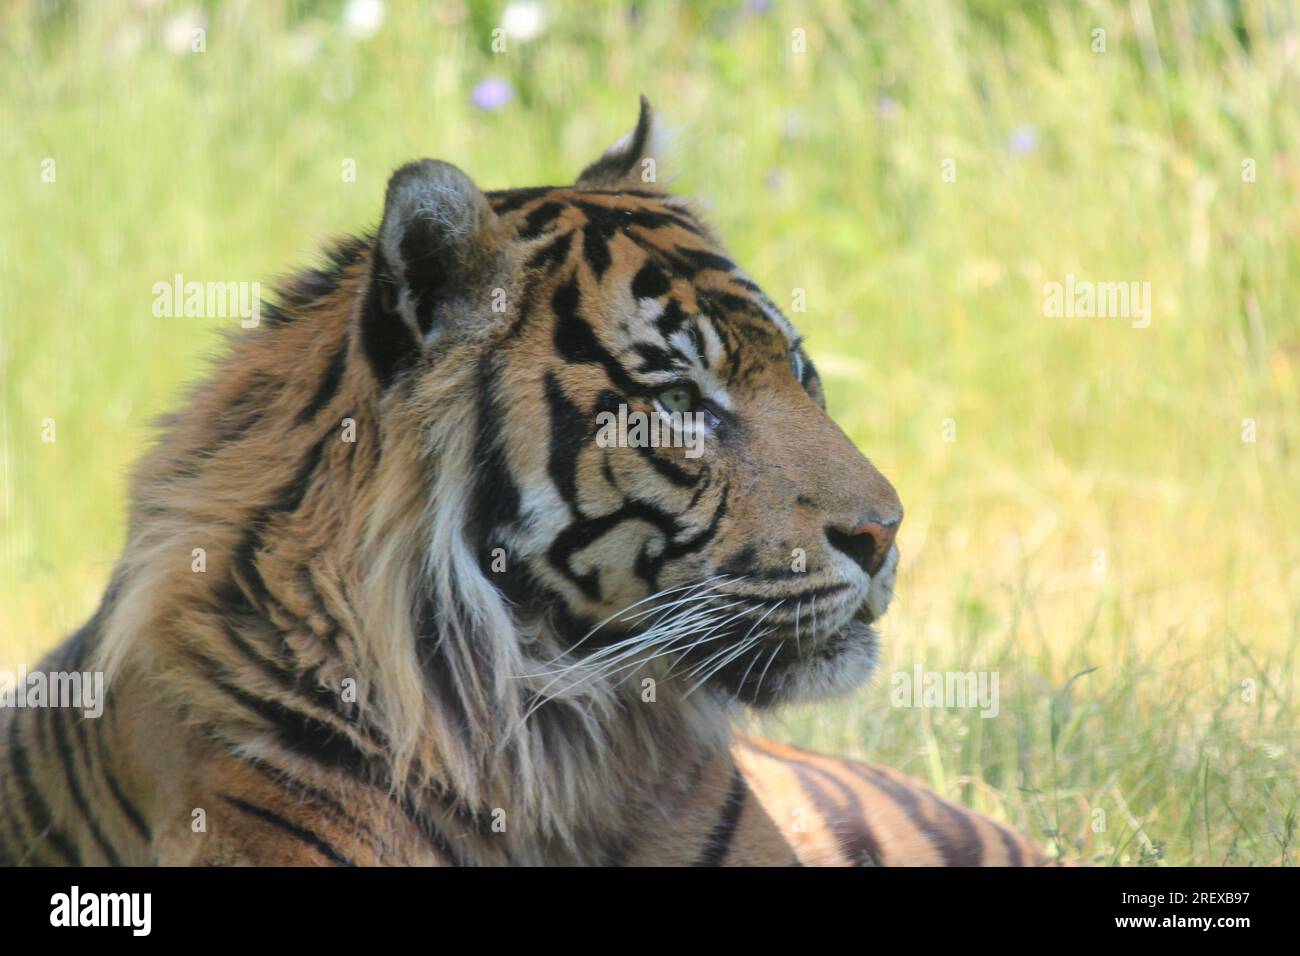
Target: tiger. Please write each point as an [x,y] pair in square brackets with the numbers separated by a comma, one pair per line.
[388,598]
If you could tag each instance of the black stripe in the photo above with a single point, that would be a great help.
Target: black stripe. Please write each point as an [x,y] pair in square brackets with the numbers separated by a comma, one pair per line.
[74,788]
[667,467]
[552,255]
[595,248]
[656,358]
[968,849]
[329,383]
[537,221]
[80,644]
[649,282]
[302,790]
[704,259]
[607,220]
[433,834]
[582,533]
[966,853]
[293,829]
[670,319]
[232,423]
[570,429]
[496,495]
[300,733]
[72,662]
[505,201]
[314,740]
[9,815]
[245,577]
[860,844]
[577,342]
[296,684]
[282,779]
[38,813]
[128,809]
[720,837]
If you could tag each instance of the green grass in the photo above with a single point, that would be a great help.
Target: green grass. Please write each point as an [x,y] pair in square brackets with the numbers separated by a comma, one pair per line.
[823,169]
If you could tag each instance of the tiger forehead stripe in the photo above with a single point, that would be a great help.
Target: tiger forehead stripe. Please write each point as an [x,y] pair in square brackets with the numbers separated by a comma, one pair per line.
[640,217]
[704,259]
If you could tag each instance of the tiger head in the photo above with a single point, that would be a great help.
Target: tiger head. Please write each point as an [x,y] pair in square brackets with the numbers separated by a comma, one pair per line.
[649,473]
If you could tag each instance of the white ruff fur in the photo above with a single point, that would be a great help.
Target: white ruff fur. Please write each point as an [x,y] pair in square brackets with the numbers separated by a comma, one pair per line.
[582,757]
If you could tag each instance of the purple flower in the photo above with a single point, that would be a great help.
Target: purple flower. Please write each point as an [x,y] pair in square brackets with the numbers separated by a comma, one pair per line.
[758,7]
[1023,140]
[492,94]
[886,106]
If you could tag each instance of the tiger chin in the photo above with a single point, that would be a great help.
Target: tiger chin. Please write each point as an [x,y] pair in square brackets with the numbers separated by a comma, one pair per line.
[435,622]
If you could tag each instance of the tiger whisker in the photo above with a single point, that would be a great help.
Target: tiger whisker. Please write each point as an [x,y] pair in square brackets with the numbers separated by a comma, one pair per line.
[712,582]
[797,644]
[616,646]
[681,629]
[745,676]
[632,647]
[633,643]
[717,660]
[742,649]
[743,641]
[733,618]
[677,627]
[759,686]
[671,650]
[708,660]
[609,668]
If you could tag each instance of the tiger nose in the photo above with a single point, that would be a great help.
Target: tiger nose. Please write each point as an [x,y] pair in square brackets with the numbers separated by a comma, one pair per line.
[868,542]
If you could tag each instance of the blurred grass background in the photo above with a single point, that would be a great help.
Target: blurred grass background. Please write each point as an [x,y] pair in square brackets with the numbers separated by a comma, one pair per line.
[1098,507]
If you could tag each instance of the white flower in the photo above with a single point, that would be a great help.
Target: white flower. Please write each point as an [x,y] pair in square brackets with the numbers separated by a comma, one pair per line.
[363,18]
[522,20]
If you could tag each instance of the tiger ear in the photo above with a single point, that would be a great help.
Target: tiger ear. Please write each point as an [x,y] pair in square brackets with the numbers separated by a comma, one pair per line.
[628,163]
[435,256]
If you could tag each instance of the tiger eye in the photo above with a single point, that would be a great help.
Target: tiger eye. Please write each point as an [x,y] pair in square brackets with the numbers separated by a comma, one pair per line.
[679,398]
